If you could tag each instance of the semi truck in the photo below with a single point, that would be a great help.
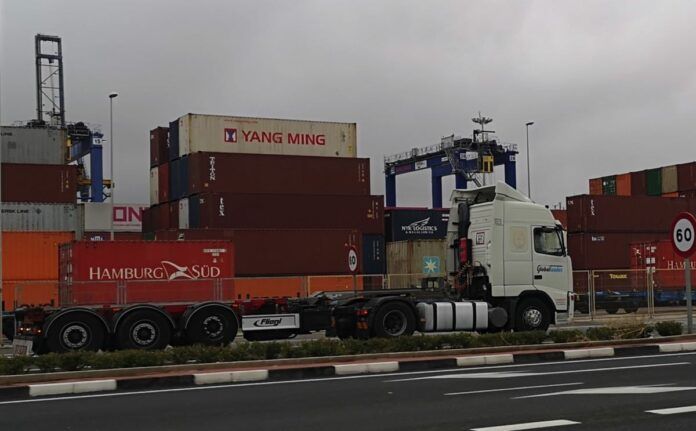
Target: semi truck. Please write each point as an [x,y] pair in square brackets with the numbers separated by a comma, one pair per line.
[507,269]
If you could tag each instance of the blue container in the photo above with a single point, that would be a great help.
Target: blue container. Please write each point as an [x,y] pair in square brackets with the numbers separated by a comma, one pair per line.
[373,255]
[184,176]
[409,224]
[174,187]
[173,144]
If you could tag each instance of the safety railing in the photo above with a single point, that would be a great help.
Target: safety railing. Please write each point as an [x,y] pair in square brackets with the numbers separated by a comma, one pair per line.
[623,293]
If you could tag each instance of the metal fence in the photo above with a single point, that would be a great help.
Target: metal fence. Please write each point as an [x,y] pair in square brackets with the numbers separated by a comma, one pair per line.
[621,293]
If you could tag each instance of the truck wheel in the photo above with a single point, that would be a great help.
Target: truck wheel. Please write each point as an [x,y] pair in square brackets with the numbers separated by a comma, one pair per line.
[393,320]
[75,331]
[612,308]
[144,330]
[631,308]
[212,326]
[532,314]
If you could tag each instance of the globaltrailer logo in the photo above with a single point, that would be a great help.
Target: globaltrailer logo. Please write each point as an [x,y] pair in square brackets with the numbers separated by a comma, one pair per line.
[166,271]
[420,227]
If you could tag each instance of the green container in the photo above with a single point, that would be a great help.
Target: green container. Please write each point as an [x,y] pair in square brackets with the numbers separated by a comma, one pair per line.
[149,236]
[653,179]
[609,185]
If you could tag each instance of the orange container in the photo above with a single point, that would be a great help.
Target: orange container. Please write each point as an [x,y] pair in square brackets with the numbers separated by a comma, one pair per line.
[20,293]
[623,185]
[670,195]
[32,255]
[269,287]
[333,283]
[596,186]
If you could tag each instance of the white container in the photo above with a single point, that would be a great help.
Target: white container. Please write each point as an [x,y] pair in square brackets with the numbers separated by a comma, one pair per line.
[127,217]
[44,146]
[28,216]
[184,213]
[215,133]
[154,186]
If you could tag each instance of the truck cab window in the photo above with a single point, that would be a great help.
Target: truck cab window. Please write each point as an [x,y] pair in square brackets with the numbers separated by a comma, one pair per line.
[548,241]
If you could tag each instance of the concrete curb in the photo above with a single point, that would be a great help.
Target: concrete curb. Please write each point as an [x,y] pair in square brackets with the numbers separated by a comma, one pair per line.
[29,391]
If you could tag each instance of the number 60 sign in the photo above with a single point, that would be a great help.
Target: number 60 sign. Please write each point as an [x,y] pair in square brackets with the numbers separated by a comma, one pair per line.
[683,232]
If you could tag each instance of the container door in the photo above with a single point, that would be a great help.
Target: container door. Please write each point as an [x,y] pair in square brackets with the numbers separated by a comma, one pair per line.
[551,263]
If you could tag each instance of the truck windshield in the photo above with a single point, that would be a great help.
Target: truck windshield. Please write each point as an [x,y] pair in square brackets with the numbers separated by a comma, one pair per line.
[548,241]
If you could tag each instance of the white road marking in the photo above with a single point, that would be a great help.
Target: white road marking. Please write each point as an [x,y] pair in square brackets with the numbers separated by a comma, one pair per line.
[328,379]
[501,375]
[529,426]
[673,411]
[519,388]
[616,390]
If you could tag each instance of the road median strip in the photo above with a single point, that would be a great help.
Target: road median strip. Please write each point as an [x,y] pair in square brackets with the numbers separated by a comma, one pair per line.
[276,370]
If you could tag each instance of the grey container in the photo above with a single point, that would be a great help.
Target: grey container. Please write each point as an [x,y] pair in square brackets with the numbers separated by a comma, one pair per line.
[33,145]
[28,216]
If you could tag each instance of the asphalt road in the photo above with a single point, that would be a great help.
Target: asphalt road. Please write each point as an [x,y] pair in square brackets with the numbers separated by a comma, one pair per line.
[616,394]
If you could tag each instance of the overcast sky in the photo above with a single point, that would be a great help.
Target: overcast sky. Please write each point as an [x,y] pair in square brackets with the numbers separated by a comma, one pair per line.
[610,85]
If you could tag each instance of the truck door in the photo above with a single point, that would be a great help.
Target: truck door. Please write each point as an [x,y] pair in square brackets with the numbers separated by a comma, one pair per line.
[550,263]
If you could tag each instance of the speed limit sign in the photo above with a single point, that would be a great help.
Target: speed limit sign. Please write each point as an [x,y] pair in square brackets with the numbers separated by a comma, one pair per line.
[683,229]
[352,260]
[683,233]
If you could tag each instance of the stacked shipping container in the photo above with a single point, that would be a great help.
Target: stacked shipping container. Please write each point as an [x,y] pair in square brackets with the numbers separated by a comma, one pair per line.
[291,195]
[666,181]
[39,212]
[416,245]
[601,228]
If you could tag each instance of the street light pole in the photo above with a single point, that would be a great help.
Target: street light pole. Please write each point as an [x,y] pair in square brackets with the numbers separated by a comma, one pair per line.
[529,180]
[112,96]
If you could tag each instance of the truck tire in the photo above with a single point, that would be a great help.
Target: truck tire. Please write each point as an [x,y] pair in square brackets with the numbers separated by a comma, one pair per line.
[144,330]
[612,308]
[394,319]
[75,331]
[212,326]
[532,314]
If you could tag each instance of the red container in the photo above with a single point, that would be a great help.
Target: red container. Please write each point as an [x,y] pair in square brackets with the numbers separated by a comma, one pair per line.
[106,236]
[594,251]
[39,183]
[173,215]
[158,146]
[260,173]
[159,218]
[623,214]
[283,211]
[686,176]
[148,221]
[638,184]
[596,186]
[666,265]
[163,182]
[561,216]
[280,252]
[117,272]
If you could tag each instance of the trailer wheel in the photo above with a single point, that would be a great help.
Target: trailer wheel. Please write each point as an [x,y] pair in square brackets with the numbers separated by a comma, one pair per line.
[612,308]
[212,326]
[532,314]
[144,330]
[394,319]
[75,331]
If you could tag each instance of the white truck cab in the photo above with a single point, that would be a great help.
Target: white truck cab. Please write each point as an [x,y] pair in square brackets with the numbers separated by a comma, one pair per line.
[509,251]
